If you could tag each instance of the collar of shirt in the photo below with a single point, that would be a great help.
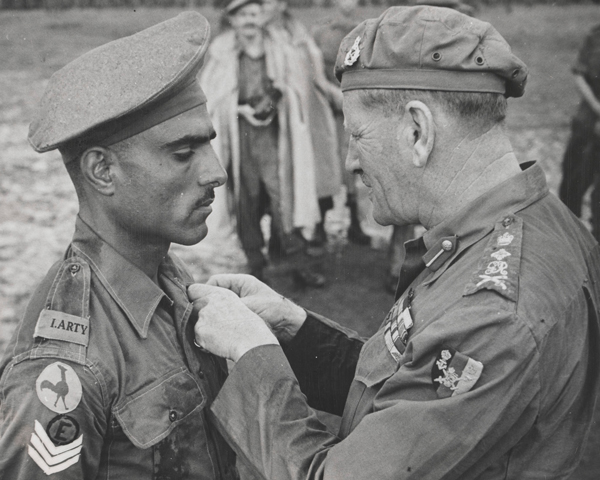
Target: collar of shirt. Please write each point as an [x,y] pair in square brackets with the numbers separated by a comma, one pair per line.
[448,239]
[128,286]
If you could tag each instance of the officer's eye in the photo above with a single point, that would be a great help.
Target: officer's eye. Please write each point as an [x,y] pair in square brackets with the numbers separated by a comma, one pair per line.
[183,154]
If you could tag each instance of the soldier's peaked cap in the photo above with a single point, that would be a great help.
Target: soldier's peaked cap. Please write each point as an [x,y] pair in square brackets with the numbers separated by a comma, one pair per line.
[429,48]
[125,86]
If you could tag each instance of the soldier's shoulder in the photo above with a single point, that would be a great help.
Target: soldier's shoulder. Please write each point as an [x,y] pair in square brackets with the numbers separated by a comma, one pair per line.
[57,318]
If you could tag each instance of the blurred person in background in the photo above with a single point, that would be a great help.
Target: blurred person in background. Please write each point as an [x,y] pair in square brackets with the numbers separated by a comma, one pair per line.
[581,162]
[264,141]
[319,98]
[328,38]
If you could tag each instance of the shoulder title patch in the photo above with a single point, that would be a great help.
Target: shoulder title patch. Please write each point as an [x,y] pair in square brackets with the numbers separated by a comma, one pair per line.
[62,326]
[454,373]
[499,267]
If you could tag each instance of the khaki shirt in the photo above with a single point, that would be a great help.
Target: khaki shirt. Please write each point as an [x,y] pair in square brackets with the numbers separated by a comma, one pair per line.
[102,380]
[486,367]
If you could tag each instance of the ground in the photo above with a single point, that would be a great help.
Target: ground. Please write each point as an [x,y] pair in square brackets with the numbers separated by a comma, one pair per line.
[37,202]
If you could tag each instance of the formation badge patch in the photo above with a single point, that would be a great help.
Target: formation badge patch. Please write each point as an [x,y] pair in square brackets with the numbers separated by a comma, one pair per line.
[454,373]
[58,387]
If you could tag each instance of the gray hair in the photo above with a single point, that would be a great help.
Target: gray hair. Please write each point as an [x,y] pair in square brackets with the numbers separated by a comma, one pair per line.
[486,108]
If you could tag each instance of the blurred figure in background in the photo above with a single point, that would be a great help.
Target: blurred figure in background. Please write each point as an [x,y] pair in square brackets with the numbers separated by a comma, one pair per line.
[319,98]
[328,38]
[262,139]
[580,163]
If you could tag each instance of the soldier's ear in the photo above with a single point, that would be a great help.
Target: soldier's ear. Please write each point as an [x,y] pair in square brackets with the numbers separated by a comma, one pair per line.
[96,164]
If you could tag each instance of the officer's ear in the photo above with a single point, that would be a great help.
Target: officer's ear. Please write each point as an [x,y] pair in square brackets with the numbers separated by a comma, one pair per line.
[96,164]
[420,131]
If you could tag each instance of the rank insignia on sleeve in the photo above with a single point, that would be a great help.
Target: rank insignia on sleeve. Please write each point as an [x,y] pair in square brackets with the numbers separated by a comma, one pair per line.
[58,387]
[50,457]
[499,267]
[454,373]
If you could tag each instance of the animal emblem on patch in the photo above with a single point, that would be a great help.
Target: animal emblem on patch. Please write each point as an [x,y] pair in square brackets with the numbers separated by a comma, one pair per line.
[58,387]
[454,373]
[49,457]
[500,254]
[353,53]
[505,239]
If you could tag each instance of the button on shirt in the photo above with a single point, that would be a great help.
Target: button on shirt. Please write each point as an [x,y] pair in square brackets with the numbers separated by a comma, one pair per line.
[485,367]
[102,379]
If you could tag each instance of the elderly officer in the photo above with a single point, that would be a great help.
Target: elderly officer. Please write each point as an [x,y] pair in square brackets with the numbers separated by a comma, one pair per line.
[486,366]
[102,379]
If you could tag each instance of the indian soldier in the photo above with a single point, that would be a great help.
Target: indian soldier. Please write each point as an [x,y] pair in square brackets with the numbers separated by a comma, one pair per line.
[102,379]
[486,366]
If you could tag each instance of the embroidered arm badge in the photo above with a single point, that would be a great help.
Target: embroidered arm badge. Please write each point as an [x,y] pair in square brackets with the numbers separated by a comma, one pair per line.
[50,457]
[454,373]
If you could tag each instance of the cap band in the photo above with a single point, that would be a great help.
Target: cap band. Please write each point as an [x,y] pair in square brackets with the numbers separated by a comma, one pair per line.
[444,80]
[144,119]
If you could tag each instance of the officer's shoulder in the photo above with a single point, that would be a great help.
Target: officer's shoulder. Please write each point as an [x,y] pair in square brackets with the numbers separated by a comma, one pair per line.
[498,268]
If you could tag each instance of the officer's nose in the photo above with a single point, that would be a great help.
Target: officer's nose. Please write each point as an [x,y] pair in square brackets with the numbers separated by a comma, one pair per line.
[352,163]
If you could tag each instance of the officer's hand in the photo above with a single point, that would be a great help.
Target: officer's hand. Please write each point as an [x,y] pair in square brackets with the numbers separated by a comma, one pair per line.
[225,326]
[283,316]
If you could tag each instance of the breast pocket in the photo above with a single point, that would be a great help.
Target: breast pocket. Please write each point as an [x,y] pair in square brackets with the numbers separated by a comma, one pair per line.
[151,414]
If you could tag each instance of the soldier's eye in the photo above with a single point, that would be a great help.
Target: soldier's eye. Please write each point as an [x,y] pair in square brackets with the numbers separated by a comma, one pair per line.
[183,154]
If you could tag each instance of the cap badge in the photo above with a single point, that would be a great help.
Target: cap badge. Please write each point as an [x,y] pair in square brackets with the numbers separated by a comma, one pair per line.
[353,53]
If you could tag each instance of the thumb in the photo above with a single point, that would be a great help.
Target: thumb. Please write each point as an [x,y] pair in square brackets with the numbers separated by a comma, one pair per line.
[199,293]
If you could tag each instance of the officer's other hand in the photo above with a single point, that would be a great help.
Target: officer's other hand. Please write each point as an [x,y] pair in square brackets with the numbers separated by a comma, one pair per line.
[283,316]
[225,326]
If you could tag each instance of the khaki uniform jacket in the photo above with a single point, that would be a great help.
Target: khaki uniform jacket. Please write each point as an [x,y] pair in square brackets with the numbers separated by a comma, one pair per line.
[486,367]
[102,380]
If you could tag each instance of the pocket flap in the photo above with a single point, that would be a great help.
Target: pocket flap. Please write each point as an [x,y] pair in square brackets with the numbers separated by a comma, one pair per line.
[150,415]
[376,363]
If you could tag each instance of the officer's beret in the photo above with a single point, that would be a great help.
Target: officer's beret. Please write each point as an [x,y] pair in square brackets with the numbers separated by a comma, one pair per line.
[454,4]
[235,5]
[429,48]
[124,87]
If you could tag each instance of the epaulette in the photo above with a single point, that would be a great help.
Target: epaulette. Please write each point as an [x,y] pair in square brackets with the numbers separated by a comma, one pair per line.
[499,267]
[66,313]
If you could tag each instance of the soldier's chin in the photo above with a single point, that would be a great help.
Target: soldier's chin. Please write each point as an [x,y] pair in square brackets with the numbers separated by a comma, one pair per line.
[196,237]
